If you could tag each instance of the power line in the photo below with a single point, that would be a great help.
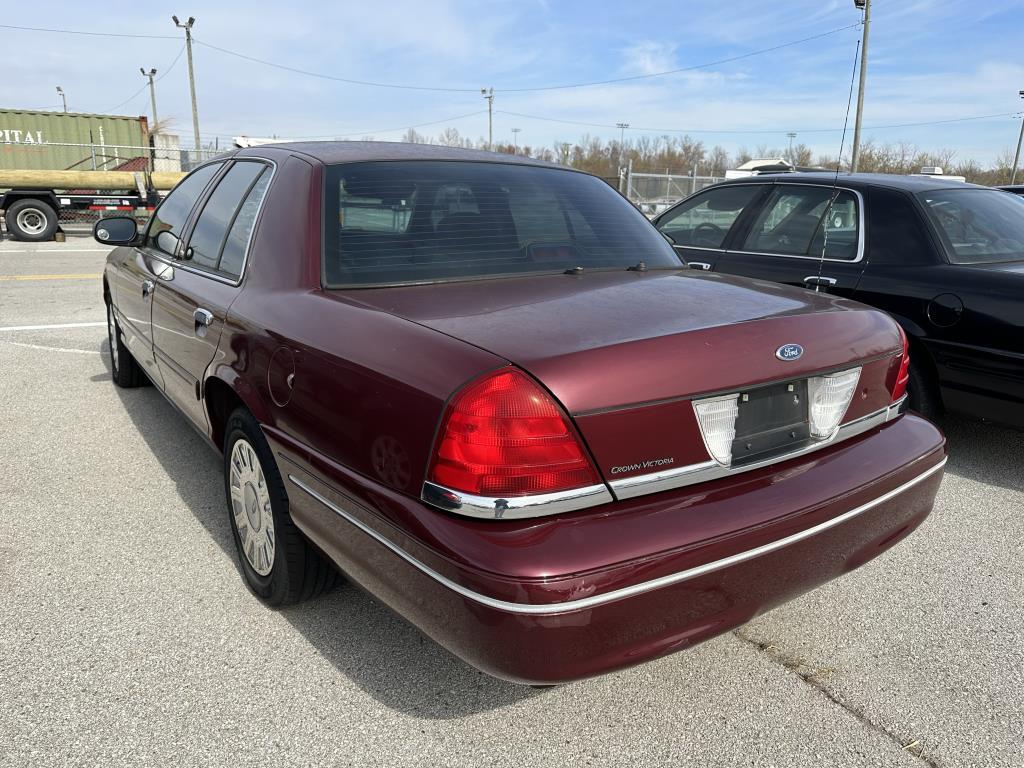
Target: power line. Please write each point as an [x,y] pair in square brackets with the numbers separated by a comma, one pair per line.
[611,81]
[690,68]
[642,129]
[146,85]
[90,34]
[369,131]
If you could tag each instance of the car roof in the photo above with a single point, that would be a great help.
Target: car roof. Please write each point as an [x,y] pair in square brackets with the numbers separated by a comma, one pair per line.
[336,152]
[894,181]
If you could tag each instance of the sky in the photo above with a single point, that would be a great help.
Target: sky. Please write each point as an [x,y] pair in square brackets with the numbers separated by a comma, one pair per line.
[929,60]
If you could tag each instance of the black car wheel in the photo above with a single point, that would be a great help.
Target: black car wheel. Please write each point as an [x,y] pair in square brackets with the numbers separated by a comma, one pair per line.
[124,369]
[922,392]
[31,220]
[277,561]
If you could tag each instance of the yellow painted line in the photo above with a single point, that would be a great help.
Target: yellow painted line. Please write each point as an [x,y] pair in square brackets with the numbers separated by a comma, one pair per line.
[83,276]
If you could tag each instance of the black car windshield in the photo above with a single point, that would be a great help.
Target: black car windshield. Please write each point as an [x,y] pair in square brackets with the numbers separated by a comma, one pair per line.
[420,221]
[979,226]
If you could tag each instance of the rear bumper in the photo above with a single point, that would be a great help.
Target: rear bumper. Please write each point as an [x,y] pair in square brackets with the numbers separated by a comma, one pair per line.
[796,525]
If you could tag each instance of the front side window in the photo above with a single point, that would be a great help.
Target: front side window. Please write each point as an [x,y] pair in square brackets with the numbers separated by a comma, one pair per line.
[422,221]
[704,221]
[210,234]
[978,225]
[164,232]
[807,221]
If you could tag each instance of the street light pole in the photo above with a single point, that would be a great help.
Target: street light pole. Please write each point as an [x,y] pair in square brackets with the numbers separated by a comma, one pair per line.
[792,136]
[515,140]
[152,93]
[866,5]
[63,97]
[1020,140]
[488,93]
[187,26]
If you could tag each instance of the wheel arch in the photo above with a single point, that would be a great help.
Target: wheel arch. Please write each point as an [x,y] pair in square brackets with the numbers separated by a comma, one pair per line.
[224,391]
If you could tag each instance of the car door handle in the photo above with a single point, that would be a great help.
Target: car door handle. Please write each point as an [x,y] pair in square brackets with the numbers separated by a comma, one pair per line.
[819,280]
[147,288]
[699,265]
[203,318]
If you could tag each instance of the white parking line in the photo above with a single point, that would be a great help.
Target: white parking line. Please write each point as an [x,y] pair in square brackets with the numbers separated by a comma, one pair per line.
[53,349]
[50,327]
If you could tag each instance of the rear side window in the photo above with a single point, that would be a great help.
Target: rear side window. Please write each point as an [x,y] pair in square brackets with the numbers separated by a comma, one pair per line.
[211,235]
[807,221]
[165,227]
[704,221]
[421,221]
[897,236]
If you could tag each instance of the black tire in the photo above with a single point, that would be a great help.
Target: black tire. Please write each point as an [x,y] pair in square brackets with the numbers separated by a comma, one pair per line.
[922,392]
[124,369]
[297,570]
[31,220]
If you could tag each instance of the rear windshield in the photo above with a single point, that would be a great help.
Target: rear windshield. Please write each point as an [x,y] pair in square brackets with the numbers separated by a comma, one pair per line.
[423,221]
[979,226]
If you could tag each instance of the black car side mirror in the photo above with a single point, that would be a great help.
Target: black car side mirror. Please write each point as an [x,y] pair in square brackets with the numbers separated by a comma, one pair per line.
[117,230]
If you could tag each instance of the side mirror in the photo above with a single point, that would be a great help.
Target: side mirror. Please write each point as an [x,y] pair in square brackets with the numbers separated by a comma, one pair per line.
[117,230]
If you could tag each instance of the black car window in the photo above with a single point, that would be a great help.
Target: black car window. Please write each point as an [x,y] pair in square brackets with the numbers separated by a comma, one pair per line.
[165,227]
[807,220]
[211,229]
[978,226]
[704,220]
[233,256]
[896,236]
[420,221]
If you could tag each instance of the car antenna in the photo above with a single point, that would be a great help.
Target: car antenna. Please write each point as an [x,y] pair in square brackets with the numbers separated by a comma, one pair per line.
[839,163]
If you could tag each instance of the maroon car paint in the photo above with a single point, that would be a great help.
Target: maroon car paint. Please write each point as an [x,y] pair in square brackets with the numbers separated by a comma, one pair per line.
[373,369]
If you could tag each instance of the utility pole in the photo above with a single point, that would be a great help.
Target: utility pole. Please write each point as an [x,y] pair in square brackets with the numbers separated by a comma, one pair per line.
[792,136]
[1020,140]
[488,93]
[152,93]
[622,140]
[515,140]
[187,26]
[866,5]
[63,97]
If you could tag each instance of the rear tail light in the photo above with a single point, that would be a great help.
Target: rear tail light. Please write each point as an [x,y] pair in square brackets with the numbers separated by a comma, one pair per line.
[717,420]
[899,387]
[503,435]
[829,397]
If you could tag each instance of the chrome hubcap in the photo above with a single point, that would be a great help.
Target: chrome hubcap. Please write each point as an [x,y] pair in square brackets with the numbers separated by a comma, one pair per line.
[250,506]
[31,221]
[112,337]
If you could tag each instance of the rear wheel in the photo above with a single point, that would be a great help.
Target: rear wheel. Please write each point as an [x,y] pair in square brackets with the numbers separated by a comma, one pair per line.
[277,561]
[31,220]
[124,370]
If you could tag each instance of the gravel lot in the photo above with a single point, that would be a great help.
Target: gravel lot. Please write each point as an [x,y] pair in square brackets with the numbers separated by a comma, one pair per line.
[128,638]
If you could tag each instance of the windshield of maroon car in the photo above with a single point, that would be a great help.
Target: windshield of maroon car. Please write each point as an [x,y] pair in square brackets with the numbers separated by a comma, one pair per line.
[979,226]
[422,221]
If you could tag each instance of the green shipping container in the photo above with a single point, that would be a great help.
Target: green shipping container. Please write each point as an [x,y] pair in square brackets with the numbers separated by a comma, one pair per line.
[59,141]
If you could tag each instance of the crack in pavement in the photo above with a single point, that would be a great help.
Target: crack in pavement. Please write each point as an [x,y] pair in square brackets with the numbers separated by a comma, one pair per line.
[815,677]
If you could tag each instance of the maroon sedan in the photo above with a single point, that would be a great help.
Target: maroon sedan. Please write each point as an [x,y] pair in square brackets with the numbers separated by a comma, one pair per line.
[485,389]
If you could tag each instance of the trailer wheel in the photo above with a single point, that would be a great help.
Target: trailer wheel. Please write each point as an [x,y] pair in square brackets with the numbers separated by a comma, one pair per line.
[31,220]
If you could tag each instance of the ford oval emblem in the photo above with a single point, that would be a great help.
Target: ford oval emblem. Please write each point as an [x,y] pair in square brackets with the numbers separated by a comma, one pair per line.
[789,352]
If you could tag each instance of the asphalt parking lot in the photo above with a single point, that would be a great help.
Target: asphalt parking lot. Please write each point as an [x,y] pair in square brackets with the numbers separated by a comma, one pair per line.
[128,638]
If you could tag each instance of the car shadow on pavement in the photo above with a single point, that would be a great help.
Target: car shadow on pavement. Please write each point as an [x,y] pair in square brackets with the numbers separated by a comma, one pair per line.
[984,452]
[378,650]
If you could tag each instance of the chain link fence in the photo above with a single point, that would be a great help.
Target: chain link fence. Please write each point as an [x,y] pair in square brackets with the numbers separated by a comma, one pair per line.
[652,193]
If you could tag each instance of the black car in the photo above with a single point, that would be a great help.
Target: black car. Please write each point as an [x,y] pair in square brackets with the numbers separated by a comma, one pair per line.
[1016,189]
[945,258]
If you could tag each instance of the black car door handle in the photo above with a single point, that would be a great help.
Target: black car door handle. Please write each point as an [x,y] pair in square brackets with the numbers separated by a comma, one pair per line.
[819,280]
[147,288]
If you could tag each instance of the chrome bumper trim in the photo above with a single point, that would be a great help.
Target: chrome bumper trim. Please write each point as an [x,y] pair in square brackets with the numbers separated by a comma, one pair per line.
[630,487]
[514,507]
[631,591]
